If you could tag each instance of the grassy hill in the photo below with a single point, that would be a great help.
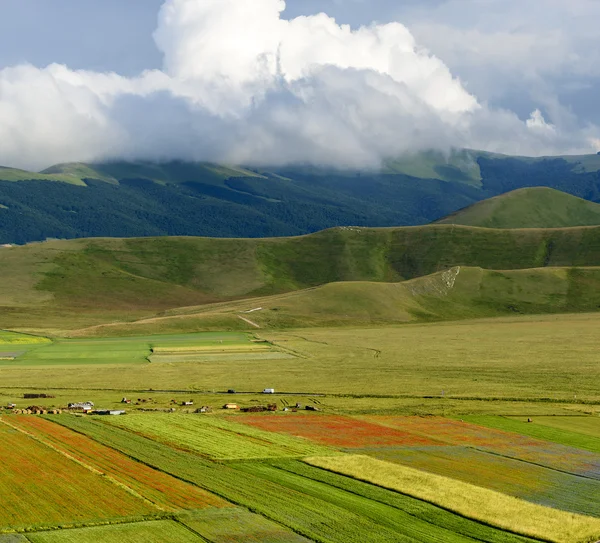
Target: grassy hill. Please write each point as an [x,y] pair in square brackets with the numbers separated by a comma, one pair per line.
[92,281]
[537,207]
[458,293]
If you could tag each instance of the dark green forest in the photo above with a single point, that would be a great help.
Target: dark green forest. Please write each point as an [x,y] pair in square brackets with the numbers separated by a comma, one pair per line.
[192,201]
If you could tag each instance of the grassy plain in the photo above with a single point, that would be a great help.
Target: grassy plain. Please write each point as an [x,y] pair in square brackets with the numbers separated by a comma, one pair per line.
[474,502]
[537,359]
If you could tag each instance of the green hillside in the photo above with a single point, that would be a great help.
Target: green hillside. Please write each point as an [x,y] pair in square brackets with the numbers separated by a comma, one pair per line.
[14,174]
[457,293]
[135,199]
[99,280]
[537,207]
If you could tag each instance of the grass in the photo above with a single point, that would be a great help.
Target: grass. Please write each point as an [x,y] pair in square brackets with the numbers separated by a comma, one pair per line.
[537,207]
[14,174]
[469,360]
[238,526]
[554,433]
[216,437]
[150,532]
[474,502]
[77,282]
[582,425]
[45,484]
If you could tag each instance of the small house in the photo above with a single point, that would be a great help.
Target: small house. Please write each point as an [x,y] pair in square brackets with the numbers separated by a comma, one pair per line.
[268,391]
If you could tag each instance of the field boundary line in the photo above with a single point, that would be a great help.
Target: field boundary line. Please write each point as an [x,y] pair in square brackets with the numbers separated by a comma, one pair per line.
[83,464]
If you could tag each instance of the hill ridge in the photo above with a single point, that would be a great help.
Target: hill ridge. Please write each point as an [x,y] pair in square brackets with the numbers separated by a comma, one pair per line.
[528,207]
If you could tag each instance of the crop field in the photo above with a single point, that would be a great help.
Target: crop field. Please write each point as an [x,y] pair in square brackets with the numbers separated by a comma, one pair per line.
[216,437]
[148,532]
[337,431]
[473,502]
[132,350]
[167,493]
[45,485]
[14,338]
[238,526]
[502,438]
[528,481]
[589,426]
[325,510]
[547,428]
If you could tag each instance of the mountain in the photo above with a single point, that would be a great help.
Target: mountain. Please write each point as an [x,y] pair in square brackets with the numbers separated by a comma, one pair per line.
[132,199]
[83,282]
[537,207]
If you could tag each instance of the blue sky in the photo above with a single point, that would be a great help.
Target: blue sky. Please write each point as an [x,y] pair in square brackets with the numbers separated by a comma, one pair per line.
[514,56]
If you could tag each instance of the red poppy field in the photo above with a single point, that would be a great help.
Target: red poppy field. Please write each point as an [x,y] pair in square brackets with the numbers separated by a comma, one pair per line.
[166,492]
[42,487]
[338,431]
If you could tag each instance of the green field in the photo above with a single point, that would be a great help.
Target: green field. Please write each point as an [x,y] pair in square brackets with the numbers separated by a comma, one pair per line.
[217,438]
[151,532]
[473,502]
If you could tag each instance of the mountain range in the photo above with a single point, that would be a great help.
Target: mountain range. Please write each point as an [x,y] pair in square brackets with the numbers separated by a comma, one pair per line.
[133,199]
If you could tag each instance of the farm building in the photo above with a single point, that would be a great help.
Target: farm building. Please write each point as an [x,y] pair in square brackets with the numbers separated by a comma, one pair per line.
[86,407]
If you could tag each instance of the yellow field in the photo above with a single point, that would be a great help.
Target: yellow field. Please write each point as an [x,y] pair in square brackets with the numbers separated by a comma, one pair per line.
[483,505]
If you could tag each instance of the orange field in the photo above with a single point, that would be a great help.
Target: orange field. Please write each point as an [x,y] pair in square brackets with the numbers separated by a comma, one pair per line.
[337,431]
[165,491]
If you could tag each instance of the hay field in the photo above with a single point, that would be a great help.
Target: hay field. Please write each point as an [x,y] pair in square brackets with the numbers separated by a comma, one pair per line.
[477,503]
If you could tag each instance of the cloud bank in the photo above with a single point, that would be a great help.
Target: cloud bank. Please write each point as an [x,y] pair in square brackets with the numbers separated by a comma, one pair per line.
[242,85]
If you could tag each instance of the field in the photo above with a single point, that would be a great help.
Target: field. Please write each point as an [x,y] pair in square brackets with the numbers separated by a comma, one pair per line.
[133,350]
[151,532]
[216,437]
[44,484]
[473,502]
[414,427]
[165,492]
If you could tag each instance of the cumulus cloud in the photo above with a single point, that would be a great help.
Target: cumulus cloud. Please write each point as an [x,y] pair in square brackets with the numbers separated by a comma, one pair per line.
[241,84]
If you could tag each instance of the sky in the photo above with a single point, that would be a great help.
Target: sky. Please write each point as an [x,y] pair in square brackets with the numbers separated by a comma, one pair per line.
[343,83]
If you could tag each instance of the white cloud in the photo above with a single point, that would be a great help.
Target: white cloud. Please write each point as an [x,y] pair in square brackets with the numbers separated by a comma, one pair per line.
[241,84]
